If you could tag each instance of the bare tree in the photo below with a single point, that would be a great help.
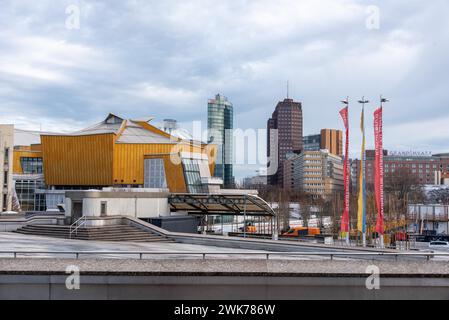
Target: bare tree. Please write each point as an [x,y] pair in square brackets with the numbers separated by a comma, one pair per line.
[403,185]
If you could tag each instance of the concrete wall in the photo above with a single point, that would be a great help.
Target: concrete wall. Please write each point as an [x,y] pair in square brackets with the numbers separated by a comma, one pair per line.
[207,287]
[133,207]
[8,225]
[136,203]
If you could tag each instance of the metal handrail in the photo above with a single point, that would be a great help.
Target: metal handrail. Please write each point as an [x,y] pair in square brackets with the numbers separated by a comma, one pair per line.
[77,224]
[267,255]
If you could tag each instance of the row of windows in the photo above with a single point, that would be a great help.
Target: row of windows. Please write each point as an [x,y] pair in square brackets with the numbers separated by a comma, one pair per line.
[313,179]
[420,166]
[313,168]
[31,165]
[314,184]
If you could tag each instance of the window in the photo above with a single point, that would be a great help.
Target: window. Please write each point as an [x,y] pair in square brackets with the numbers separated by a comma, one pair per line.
[29,199]
[6,160]
[5,202]
[193,176]
[155,174]
[103,209]
[31,165]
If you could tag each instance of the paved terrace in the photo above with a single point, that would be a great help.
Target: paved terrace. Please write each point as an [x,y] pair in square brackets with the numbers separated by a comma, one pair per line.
[18,242]
[217,277]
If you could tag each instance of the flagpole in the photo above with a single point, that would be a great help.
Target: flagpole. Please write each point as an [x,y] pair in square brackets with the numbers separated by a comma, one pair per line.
[382,101]
[362,187]
[348,241]
[346,213]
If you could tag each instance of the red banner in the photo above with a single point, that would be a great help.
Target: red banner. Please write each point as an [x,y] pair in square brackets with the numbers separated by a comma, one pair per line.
[345,217]
[379,170]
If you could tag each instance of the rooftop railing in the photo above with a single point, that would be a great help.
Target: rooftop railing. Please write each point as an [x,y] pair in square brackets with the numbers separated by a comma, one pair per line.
[141,255]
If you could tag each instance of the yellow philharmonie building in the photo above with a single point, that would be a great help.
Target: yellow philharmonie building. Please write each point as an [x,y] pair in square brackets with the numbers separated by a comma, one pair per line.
[119,153]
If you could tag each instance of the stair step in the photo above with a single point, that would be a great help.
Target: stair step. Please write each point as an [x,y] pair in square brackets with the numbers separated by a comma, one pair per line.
[105,233]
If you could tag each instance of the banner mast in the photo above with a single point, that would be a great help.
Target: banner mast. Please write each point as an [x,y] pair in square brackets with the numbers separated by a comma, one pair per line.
[361,216]
[345,219]
[379,166]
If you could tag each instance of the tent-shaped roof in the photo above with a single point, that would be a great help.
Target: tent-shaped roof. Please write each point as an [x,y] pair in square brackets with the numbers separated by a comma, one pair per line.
[127,131]
[111,124]
[135,133]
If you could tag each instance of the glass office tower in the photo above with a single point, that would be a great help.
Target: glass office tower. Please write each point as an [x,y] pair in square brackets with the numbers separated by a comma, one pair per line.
[220,123]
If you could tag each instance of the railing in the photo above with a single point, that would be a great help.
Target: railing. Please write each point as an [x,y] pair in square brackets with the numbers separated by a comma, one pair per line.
[76,225]
[43,214]
[266,255]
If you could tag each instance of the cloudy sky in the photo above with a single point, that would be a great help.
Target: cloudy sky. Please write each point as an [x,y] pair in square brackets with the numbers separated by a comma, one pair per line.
[166,58]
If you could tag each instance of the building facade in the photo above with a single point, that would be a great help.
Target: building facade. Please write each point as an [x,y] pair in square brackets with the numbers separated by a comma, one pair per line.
[354,175]
[332,140]
[421,168]
[289,172]
[6,157]
[287,119]
[312,142]
[115,153]
[255,182]
[318,173]
[428,217]
[220,123]
[328,139]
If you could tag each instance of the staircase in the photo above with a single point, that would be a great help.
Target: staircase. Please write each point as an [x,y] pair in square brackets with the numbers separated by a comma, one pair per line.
[105,233]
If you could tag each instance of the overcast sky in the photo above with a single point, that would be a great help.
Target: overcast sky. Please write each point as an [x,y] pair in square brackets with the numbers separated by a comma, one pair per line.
[166,58]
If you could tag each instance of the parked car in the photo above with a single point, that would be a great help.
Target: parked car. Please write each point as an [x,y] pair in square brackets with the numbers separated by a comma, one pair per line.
[439,245]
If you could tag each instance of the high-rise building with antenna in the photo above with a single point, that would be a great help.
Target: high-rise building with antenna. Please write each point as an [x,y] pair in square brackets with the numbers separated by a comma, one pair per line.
[288,120]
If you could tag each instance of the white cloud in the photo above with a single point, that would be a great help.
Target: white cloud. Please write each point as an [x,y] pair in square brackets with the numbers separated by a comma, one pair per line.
[166,58]
[155,93]
[46,59]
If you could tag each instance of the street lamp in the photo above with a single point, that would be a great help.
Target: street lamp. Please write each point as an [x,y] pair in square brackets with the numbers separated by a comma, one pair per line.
[363,101]
[383,100]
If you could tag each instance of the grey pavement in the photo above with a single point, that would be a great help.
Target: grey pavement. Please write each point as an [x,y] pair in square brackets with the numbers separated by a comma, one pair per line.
[18,242]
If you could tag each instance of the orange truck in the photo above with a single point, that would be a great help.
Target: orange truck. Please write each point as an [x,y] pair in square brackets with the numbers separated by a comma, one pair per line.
[249,227]
[301,232]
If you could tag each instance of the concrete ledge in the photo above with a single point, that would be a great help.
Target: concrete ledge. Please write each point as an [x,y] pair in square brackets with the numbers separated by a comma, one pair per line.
[246,266]
[13,224]
[220,279]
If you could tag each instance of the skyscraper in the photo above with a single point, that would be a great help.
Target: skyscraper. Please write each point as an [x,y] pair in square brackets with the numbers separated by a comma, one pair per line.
[220,122]
[287,119]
